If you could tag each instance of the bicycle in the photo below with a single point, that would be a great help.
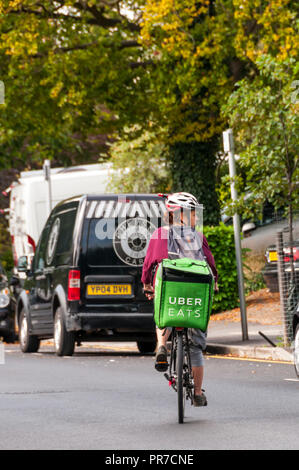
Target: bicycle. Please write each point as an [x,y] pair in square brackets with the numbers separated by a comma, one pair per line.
[180,376]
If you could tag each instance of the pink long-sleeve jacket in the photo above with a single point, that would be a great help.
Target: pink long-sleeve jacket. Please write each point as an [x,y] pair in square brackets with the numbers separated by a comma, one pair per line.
[158,250]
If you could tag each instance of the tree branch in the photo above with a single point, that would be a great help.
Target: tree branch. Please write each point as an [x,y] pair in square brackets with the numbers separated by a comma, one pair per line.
[98,18]
[135,65]
[61,50]
[102,20]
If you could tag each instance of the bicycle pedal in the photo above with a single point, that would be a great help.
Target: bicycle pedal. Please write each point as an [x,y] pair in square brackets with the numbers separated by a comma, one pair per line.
[170,380]
[161,366]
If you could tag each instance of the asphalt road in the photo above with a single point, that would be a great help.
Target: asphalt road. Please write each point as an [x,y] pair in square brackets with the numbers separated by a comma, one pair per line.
[105,400]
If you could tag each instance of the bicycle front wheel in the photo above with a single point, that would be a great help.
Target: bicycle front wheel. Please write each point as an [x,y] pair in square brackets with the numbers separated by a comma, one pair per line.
[179,371]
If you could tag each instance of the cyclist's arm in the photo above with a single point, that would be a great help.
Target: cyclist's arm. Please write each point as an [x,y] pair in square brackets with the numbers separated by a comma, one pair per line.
[210,258]
[156,251]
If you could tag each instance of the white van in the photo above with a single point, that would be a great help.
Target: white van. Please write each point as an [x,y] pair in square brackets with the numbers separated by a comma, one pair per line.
[30,203]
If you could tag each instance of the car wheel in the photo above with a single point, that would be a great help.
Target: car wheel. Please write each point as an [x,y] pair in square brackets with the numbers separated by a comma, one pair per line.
[296,350]
[146,346]
[28,343]
[64,341]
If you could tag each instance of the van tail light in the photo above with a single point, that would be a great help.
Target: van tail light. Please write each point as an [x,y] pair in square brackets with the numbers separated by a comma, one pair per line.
[31,242]
[74,285]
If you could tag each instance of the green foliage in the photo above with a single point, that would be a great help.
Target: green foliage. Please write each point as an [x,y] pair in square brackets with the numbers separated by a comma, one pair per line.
[72,70]
[265,121]
[140,161]
[252,269]
[254,282]
[193,43]
[207,47]
[75,70]
[7,260]
[6,257]
[222,244]
[193,169]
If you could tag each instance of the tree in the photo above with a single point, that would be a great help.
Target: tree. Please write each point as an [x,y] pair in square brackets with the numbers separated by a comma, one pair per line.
[193,44]
[262,110]
[264,115]
[72,71]
[78,70]
[140,163]
[207,47]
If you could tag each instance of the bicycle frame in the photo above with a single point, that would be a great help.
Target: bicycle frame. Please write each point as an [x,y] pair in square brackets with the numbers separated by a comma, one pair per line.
[180,376]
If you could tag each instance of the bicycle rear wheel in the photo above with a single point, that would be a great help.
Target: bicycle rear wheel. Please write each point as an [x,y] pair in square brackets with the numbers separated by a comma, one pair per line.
[179,370]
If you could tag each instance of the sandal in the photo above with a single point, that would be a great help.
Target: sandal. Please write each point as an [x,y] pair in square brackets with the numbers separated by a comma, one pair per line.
[161,364]
[200,400]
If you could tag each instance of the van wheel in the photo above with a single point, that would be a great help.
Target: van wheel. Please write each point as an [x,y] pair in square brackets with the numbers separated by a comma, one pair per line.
[64,341]
[147,346]
[28,343]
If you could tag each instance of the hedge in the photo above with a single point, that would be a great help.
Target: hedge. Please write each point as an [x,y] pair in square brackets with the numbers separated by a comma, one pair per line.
[221,242]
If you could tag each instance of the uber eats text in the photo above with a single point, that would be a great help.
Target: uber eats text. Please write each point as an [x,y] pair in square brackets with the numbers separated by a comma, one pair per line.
[181,307]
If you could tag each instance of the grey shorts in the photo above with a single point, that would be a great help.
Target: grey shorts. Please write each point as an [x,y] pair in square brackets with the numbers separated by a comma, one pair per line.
[197,344]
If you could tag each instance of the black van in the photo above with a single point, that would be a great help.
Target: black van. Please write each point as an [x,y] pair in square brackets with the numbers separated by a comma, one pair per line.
[84,283]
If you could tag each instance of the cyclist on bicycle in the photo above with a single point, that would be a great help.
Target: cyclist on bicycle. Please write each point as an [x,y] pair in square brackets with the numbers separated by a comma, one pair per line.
[181,212]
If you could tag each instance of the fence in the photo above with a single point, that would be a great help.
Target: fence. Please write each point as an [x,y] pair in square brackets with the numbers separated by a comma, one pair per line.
[288,279]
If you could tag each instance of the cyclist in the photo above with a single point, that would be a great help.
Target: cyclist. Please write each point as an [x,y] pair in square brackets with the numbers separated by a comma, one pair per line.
[181,212]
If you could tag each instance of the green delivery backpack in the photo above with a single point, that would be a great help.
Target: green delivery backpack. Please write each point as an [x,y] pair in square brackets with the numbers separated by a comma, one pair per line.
[184,291]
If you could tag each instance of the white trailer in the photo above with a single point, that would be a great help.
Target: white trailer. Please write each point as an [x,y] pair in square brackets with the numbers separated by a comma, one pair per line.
[30,205]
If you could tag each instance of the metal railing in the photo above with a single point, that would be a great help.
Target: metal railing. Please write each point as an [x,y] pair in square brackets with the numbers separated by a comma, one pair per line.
[288,279]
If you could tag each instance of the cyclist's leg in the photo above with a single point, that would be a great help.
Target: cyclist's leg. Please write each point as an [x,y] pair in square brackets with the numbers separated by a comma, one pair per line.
[161,363]
[198,372]
[197,342]
[161,337]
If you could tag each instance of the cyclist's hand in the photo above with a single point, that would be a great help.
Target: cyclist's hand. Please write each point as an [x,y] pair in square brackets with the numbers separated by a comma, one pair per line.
[216,288]
[148,291]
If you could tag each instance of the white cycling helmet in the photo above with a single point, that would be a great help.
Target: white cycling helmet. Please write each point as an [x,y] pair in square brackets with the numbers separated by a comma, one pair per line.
[177,201]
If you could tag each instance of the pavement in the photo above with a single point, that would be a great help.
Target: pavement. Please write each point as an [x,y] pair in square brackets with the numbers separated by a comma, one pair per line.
[226,338]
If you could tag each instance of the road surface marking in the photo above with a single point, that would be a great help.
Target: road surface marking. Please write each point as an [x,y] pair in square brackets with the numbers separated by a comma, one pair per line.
[248,359]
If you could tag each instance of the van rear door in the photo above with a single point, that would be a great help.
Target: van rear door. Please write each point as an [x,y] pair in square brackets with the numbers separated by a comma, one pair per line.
[116,233]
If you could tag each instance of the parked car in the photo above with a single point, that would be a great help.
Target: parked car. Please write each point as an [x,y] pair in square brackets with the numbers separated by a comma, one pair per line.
[8,294]
[84,283]
[270,272]
[259,233]
[296,338]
